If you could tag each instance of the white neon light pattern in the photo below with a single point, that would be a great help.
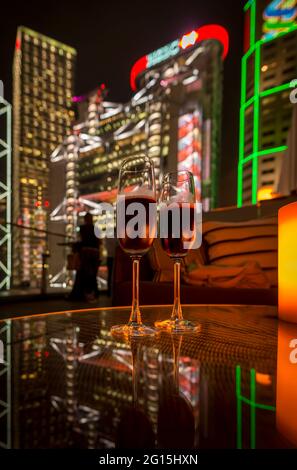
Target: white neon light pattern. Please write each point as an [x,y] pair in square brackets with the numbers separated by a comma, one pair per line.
[163,53]
[5,373]
[5,194]
[189,147]
[189,40]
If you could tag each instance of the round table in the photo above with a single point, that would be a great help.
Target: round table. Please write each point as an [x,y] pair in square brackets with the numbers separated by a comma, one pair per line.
[70,381]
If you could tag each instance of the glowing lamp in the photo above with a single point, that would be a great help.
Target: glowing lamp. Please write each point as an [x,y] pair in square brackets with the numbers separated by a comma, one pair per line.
[265,194]
[287,262]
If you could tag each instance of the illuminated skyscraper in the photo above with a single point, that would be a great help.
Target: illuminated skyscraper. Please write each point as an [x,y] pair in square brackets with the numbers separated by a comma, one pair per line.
[182,83]
[269,67]
[43,73]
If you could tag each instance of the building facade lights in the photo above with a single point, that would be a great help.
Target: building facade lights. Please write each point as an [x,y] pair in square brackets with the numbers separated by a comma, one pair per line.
[208,32]
[267,69]
[43,80]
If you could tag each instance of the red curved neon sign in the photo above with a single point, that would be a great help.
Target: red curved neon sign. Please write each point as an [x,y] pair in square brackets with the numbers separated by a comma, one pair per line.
[212,31]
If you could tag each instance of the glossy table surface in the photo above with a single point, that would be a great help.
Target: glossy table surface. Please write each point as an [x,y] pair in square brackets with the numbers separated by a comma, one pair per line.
[65,382]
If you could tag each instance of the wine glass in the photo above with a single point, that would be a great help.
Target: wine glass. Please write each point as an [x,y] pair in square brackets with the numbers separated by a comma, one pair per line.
[178,235]
[136,233]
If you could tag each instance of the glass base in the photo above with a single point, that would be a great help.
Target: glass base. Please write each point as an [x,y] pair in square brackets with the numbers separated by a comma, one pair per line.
[132,330]
[178,326]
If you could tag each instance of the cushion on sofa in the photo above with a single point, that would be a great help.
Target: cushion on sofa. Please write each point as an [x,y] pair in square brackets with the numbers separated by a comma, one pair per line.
[248,276]
[162,264]
[237,243]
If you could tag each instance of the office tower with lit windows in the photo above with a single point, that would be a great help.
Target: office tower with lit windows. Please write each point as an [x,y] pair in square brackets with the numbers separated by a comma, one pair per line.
[269,66]
[43,83]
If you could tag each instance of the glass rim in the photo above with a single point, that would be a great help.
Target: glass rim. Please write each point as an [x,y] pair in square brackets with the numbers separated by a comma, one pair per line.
[133,158]
[175,174]
[134,171]
[147,169]
[181,176]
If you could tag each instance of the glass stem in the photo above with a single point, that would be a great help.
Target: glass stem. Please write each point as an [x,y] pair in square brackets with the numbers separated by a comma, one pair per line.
[135,317]
[177,313]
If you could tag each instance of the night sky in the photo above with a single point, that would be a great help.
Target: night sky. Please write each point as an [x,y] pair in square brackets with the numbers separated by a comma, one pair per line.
[111,35]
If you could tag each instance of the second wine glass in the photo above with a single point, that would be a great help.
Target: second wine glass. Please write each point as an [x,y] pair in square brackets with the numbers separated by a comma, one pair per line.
[178,235]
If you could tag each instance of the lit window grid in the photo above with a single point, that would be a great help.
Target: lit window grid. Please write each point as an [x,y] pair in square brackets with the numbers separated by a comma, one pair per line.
[52,134]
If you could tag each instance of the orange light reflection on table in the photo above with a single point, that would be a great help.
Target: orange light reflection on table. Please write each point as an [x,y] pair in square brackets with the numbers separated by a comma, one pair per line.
[286,402]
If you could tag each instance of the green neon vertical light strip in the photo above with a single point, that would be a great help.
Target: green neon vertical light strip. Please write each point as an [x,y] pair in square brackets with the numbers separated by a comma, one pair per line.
[253,408]
[239,408]
[247,5]
[241,130]
[253,23]
[240,185]
[253,8]
[256,125]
